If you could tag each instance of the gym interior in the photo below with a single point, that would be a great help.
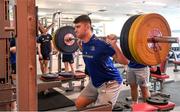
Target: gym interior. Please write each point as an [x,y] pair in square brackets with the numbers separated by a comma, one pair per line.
[44,65]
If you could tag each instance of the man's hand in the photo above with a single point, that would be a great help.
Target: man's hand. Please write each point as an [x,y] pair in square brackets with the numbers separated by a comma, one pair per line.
[118,57]
[111,39]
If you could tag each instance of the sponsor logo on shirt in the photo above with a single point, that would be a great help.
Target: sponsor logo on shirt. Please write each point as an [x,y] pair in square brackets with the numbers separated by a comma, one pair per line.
[92,48]
[87,56]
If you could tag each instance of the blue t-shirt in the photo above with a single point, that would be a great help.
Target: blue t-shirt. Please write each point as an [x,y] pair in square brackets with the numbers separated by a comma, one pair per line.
[135,65]
[96,55]
[45,41]
[12,55]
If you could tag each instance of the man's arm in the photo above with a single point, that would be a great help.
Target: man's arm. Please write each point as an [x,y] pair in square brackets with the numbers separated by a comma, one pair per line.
[13,49]
[39,50]
[118,56]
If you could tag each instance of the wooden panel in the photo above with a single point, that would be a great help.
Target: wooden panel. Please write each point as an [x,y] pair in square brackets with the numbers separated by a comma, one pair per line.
[4,57]
[26,56]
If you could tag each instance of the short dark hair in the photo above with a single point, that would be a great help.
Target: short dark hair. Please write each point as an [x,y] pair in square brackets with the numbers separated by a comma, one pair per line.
[82,18]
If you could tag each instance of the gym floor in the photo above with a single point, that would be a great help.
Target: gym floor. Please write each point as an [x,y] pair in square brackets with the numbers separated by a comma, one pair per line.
[171,85]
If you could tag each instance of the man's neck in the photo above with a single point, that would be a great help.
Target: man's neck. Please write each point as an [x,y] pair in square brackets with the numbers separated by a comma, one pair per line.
[87,37]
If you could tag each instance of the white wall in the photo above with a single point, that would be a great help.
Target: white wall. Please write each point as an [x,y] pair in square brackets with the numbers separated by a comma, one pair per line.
[115,26]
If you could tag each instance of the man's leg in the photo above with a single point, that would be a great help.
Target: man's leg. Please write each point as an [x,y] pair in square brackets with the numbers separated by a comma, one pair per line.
[87,96]
[145,92]
[109,92]
[72,67]
[134,92]
[66,66]
[131,79]
[41,65]
[83,101]
[142,80]
[45,66]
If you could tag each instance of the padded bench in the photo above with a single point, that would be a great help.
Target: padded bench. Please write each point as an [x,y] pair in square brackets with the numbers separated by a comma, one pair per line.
[44,84]
[145,107]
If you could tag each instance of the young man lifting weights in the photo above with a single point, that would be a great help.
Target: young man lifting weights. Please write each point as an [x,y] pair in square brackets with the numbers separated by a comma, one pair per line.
[105,79]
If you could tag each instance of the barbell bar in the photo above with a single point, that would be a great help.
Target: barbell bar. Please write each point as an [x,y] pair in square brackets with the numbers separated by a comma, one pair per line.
[163,39]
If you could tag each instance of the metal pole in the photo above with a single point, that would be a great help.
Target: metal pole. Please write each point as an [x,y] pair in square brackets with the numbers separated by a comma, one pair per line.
[163,39]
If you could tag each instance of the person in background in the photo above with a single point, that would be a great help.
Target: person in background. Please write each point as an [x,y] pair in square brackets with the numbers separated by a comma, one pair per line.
[138,75]
[68,60]
[13,55]
[45,45]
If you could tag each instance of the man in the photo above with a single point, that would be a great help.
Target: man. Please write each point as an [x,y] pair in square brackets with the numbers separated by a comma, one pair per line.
[138,74]
[13,57]
[105,79]
[68,60]
[45,45]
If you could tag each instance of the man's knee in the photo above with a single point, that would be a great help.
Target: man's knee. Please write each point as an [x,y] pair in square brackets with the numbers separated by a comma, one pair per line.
[78,104]
[82,102]
[133,86]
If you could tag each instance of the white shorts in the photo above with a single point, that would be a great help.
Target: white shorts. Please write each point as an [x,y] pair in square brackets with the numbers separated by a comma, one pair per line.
[108,92]
[139,76]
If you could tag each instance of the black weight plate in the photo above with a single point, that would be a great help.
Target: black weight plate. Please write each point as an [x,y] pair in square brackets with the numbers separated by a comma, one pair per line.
[50,76]
[157,101]
[59,40]
[124,37]
[66,74]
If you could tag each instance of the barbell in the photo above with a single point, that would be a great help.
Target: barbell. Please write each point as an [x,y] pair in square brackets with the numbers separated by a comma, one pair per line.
[144,39]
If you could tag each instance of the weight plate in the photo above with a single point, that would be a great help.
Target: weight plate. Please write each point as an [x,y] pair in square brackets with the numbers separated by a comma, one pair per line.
[149,26]
[50,76]
[124,37]
[132,39]
[66,74]
[61,33]
[157,101]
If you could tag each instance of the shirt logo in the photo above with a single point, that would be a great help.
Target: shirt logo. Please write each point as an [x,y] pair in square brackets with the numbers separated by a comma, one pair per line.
[87,56]
[92,48]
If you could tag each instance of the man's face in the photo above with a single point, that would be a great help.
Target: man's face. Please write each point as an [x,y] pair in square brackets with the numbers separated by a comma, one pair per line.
[81,29]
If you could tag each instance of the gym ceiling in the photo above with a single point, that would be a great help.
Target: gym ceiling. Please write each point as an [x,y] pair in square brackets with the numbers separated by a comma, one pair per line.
[107,10]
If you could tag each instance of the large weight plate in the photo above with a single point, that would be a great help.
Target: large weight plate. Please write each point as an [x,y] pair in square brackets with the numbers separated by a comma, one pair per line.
[157,100]
[124,37]
[59,42]
[151,25]
[132,38]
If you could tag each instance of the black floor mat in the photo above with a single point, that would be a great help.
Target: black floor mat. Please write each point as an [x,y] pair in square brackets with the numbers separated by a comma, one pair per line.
[53,100]
[173,90]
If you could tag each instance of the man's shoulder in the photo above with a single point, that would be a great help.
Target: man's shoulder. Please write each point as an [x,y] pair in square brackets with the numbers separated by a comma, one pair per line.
[99,41]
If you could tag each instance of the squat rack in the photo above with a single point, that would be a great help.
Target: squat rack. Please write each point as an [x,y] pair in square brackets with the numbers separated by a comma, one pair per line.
[26,50]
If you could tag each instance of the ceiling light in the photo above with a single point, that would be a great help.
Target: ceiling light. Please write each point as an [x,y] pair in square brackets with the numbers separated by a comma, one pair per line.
[69,0]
